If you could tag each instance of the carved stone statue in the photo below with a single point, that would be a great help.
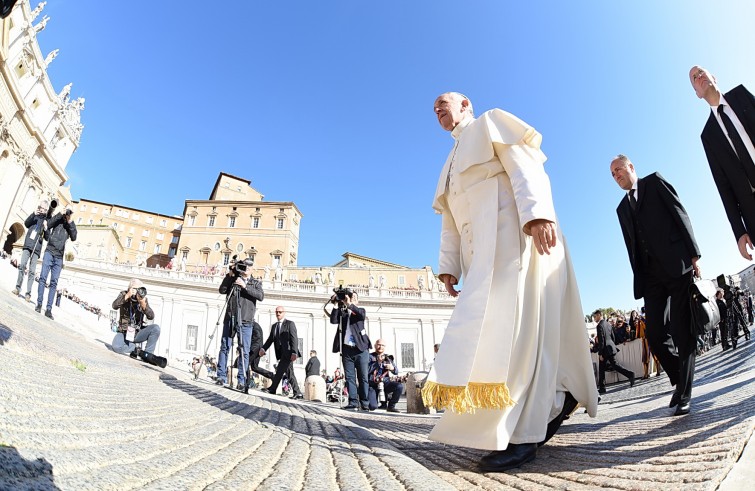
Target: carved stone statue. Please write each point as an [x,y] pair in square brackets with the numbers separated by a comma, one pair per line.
[331,277]
[51,56]
[267,272]
[37,10]
[278,273]
[432,282]
[41,26]
[421,282]
[65,94]
[318,278]
[382,281]
[372,281]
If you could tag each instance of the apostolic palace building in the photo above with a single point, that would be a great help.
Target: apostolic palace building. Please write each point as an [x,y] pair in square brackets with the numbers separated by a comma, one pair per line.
[181,259]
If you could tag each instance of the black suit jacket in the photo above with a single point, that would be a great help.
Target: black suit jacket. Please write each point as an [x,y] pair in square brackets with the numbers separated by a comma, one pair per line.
[606,346]
[286,342]
[730,178]
[666,227]
[351,320]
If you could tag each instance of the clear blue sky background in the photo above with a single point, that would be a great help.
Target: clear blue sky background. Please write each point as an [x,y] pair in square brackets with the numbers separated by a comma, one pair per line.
[329,105]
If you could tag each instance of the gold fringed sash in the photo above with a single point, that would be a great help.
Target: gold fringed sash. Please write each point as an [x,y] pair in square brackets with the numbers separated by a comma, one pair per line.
[466,399]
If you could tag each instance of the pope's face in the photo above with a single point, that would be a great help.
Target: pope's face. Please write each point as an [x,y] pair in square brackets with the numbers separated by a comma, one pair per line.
[623,173]
[449,109]
[702,81]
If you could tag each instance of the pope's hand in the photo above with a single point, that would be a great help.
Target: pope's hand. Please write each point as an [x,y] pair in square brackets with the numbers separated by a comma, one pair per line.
[450,281]
[742,243]
[543,234]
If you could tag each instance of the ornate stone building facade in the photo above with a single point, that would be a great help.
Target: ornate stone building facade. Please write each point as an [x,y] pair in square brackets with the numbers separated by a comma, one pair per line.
[235,221]
[146,238]
[39,128]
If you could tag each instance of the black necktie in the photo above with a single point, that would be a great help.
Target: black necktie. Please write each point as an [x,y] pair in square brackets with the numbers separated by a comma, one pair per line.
[632,199]
[739,146]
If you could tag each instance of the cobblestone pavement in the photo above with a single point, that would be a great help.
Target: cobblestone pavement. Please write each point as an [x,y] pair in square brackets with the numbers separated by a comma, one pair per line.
[74,415]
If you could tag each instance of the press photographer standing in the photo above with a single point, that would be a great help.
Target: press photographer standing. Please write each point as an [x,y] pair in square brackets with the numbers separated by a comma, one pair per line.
[36,225]
[353,343]
[60,229]
[242,292]
[133,307]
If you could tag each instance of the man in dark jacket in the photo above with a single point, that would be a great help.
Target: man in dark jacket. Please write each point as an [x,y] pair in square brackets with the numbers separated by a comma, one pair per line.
[133,308]
[258,339]
[285,339]
[352,341]
[60,229]
[243,293]
[35,224]
[606,349]
[313,365]
[723,326]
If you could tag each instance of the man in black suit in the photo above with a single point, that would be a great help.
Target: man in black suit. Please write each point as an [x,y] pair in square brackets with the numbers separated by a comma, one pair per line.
[283,336]
[606,348]
[254,353]
[729,143]
[663,254]
[352,342]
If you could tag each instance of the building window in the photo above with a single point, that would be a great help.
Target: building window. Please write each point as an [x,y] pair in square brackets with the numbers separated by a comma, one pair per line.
[300,359]
[163,223]
[191,337]
[256,222]
[211,221]
[148,219]
[94,209]
[401,280]
[83,207]
[79,220]
[145,233]
[232,222]
[407,356]
[128,242]
[174,240]
[226,258]
[160,236]
[135,216]
[276,260]
[143,245]
[185,255]
[115,225]
[280,224]
[157,249]
[192,218]
[171,252]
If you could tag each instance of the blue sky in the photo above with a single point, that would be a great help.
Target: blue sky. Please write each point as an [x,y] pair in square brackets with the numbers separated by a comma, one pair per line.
[329,105]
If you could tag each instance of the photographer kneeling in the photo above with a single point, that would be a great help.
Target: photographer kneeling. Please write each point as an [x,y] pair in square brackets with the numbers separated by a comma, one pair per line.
[241,303]
[382,389]
[133,306]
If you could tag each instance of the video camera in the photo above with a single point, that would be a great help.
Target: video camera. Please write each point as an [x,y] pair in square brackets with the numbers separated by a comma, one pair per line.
[340,294]
[240,267]
[730,291]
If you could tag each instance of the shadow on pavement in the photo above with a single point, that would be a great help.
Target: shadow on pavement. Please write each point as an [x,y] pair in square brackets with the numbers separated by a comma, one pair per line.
[5,334]
[18,473]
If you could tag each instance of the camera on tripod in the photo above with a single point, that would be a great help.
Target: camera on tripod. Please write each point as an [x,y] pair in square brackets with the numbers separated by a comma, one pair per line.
[239,268]
[340,295]
[725,283]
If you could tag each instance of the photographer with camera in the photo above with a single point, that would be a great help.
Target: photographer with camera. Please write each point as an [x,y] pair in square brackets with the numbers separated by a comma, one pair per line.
[133,307]
[352,342]
[242,292]
[383,390]
[36,225]
[60,229]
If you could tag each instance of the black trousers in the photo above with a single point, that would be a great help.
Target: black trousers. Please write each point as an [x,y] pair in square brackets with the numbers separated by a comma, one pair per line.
[610,363]
[285,366]
[672,342]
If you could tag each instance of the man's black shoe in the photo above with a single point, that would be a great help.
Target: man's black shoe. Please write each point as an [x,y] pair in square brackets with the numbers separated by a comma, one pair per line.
[350,407]
[392,409]
[682,409]
[675,399]
[631,380]
[135,353]
[514,456]
[38,309]
[364,407]
[383,406]
[297,397]
[570,405]
[48,314]
[602,390]
[219,382]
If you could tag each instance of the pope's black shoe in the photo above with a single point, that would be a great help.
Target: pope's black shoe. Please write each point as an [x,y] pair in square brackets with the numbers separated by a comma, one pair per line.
[682,409]
[570,405]
[514,456]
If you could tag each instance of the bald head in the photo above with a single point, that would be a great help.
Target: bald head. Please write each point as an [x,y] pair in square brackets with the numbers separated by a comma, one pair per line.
[705,85]
[451,108]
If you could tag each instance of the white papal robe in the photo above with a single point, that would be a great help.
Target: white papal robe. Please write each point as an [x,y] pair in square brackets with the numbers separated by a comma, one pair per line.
[516,340]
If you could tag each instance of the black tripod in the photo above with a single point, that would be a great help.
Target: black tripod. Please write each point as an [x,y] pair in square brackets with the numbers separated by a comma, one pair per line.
[235,332]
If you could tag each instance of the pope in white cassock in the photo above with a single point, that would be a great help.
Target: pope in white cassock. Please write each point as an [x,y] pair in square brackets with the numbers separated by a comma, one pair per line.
[515,359]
